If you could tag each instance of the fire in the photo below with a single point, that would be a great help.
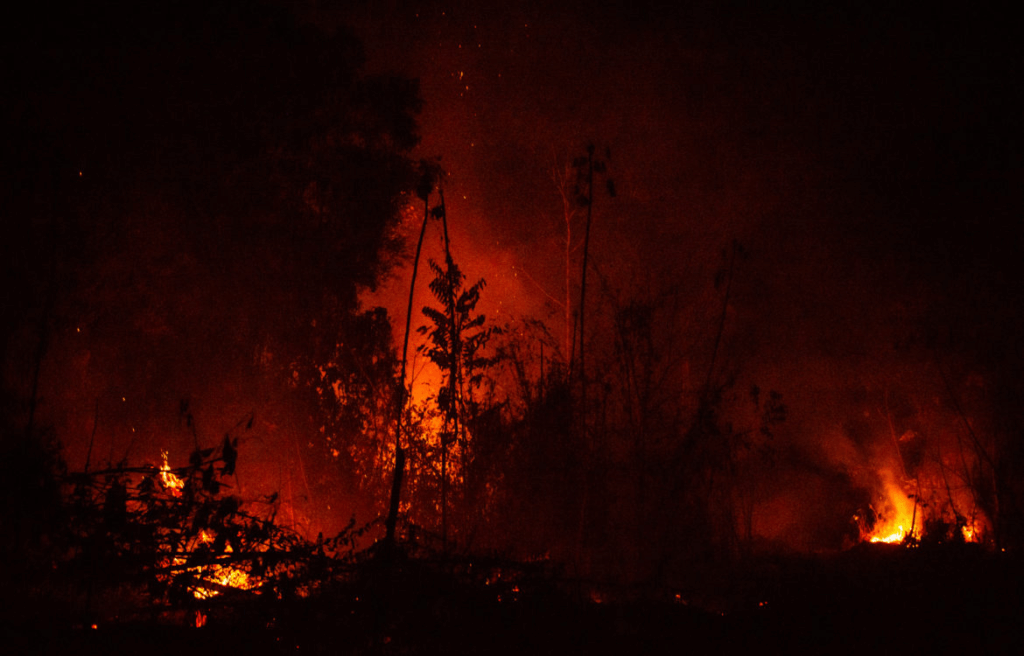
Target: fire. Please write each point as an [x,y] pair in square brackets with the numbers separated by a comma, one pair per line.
[218,575]
[223,576]
[898,516]
[895,537]
[169,479]
[214,577]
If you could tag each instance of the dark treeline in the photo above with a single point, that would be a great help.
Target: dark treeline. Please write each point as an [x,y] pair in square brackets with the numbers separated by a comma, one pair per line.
[193,195]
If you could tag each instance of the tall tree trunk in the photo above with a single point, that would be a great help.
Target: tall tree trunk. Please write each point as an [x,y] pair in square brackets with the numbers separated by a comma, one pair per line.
[706,392]
[454,384]
[583,289]
[396,481]
[581,537]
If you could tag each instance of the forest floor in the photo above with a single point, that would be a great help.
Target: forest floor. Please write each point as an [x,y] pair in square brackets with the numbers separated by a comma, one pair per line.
[873,598]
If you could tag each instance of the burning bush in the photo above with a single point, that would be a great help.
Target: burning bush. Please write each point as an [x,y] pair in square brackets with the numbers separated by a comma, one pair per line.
[153,537]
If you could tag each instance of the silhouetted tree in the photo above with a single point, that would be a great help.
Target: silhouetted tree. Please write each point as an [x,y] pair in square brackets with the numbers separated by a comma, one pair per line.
[215,182]
[455,344]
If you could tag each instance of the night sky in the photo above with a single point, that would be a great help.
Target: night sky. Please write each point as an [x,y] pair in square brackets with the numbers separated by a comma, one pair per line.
[867,162]
[865,159]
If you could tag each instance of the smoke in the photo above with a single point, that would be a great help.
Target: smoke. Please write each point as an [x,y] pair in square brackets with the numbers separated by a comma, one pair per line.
[865,164]
[855,159]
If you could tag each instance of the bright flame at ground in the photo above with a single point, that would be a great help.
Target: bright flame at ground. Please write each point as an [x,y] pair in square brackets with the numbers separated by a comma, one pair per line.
[893,538]
[222,575]
[897,518]
[226,576]
[219,576]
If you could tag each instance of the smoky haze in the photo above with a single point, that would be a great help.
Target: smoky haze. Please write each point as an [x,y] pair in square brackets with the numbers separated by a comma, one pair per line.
[851,178]
[865,160]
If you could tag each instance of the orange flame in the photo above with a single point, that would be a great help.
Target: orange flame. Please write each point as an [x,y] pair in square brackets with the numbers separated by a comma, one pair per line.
[225,576]
[213,578]
[222,575]
[169,479]
[898,517]
[895,537]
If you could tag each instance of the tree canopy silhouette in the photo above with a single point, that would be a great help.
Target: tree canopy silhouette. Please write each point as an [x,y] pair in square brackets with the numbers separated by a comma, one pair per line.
[196,193]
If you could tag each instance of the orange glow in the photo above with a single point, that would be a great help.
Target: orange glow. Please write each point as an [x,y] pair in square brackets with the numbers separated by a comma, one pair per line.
[169,479]
[213,579]
[895,537]
[215,576]
[898,515]
[226,576]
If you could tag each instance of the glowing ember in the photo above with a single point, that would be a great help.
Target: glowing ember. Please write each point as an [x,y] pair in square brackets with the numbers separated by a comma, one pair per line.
[214,578]
[222,576]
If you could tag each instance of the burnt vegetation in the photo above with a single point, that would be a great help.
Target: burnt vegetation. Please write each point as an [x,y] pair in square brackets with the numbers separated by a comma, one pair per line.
[195,208]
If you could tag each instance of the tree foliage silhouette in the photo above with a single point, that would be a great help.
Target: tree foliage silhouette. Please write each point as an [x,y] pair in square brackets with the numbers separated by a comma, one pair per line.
[455,343]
